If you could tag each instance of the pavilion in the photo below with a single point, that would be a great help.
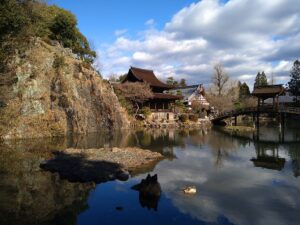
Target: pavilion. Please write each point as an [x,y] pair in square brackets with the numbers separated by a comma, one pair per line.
[268,91]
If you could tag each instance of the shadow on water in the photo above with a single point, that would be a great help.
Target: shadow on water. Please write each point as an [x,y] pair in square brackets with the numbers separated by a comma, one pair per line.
[76,168]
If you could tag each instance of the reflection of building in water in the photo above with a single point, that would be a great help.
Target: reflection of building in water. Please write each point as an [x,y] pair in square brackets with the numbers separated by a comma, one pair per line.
[149,192]
[268,157]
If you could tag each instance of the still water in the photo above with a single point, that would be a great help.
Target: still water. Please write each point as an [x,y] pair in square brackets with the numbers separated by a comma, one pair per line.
[239,180]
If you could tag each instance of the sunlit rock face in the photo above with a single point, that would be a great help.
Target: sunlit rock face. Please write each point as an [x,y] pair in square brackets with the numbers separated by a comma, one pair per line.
[31,196]
[49,92]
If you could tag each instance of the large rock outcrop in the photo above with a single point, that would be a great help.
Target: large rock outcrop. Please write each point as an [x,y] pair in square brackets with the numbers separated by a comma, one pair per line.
[50,92]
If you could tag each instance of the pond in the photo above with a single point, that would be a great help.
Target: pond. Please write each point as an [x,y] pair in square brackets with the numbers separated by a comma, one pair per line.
[239,180]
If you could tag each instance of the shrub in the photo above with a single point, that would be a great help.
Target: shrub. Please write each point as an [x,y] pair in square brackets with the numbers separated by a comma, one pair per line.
[59,61]
[183,118]
[193,117]
[145,111]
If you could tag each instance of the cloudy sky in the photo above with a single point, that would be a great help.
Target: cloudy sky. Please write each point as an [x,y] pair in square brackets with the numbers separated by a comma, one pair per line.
[185,38]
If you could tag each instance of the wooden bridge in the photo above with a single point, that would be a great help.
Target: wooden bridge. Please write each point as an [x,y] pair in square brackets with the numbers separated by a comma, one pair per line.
[255,112]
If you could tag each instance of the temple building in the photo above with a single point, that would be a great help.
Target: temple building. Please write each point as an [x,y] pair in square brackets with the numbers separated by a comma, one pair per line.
[192,93]
[161,104]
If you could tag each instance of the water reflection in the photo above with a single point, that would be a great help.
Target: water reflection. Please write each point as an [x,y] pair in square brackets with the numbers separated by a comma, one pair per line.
[231,187]
[30,196]
[149,192]
[268,157]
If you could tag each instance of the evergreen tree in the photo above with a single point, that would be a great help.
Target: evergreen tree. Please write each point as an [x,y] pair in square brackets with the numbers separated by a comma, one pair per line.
[294,84]
[260,80]
[257,80]
[244,91]
[182,82]
[263,79]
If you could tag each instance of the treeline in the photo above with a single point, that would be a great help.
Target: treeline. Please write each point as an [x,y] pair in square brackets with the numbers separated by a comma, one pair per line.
[22,19]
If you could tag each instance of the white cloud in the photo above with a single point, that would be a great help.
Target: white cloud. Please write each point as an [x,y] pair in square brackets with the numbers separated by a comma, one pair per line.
[121,32]
[247,36]
[150,22]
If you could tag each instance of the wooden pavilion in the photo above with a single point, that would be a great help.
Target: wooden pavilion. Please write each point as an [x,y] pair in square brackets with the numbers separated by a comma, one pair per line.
[161,102]
[269,91]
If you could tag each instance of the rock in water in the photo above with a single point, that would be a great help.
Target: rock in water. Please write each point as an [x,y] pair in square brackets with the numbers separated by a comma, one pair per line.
[49,92]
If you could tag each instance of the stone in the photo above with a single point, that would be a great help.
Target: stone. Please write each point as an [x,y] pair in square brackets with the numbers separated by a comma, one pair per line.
[41,93]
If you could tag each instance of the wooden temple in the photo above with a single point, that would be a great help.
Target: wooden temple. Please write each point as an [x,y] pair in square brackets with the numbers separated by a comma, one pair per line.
[161,102]
[269,91]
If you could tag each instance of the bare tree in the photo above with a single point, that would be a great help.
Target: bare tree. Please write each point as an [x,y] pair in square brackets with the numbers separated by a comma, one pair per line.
[137,93]
[220,78]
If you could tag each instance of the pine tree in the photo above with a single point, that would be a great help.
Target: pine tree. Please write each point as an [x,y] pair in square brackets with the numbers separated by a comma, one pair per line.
[244,91]
[263,79]
[294,84]
[257,80]
[182,82]
[260,80]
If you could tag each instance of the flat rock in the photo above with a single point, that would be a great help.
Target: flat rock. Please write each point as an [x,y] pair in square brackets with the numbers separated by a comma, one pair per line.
[100,165]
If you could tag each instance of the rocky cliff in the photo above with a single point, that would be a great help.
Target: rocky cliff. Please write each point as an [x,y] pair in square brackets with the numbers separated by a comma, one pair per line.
[50,92]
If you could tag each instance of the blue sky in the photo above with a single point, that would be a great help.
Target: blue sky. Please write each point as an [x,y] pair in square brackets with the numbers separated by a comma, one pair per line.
[99,19]
[186,38]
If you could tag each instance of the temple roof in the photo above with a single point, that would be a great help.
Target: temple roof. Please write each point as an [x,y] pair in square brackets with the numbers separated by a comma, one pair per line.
[268,91]
[149,77]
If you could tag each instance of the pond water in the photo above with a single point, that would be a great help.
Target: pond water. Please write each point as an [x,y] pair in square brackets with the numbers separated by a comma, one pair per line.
[239,180]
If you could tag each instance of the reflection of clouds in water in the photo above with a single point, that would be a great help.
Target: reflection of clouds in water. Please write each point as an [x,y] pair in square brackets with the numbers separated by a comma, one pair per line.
[239,191]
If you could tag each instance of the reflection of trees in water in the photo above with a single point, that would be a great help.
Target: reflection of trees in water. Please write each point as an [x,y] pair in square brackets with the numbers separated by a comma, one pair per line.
[221,146]
[164,140]
[30,196]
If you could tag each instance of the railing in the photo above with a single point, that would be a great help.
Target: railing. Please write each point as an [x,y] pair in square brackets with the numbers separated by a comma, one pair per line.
[262,109]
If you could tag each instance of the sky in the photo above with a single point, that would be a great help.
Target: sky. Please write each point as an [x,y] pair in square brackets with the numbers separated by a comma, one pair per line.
[186,38]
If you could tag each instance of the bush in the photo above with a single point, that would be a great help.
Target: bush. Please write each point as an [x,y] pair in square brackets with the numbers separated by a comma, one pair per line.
[183,118]
[59,62]
[193,117]
[145,111]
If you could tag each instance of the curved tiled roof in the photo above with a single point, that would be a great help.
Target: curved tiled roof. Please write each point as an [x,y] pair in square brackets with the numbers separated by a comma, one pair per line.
[149,77]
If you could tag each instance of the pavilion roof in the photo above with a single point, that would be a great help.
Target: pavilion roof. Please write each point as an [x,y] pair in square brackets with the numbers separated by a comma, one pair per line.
[268,91]
[149,77]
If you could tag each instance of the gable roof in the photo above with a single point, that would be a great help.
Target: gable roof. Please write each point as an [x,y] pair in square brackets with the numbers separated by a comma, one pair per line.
[268,91]
[149,77]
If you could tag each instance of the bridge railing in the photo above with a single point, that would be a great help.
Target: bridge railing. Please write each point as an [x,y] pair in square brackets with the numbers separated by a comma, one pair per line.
[262,109]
